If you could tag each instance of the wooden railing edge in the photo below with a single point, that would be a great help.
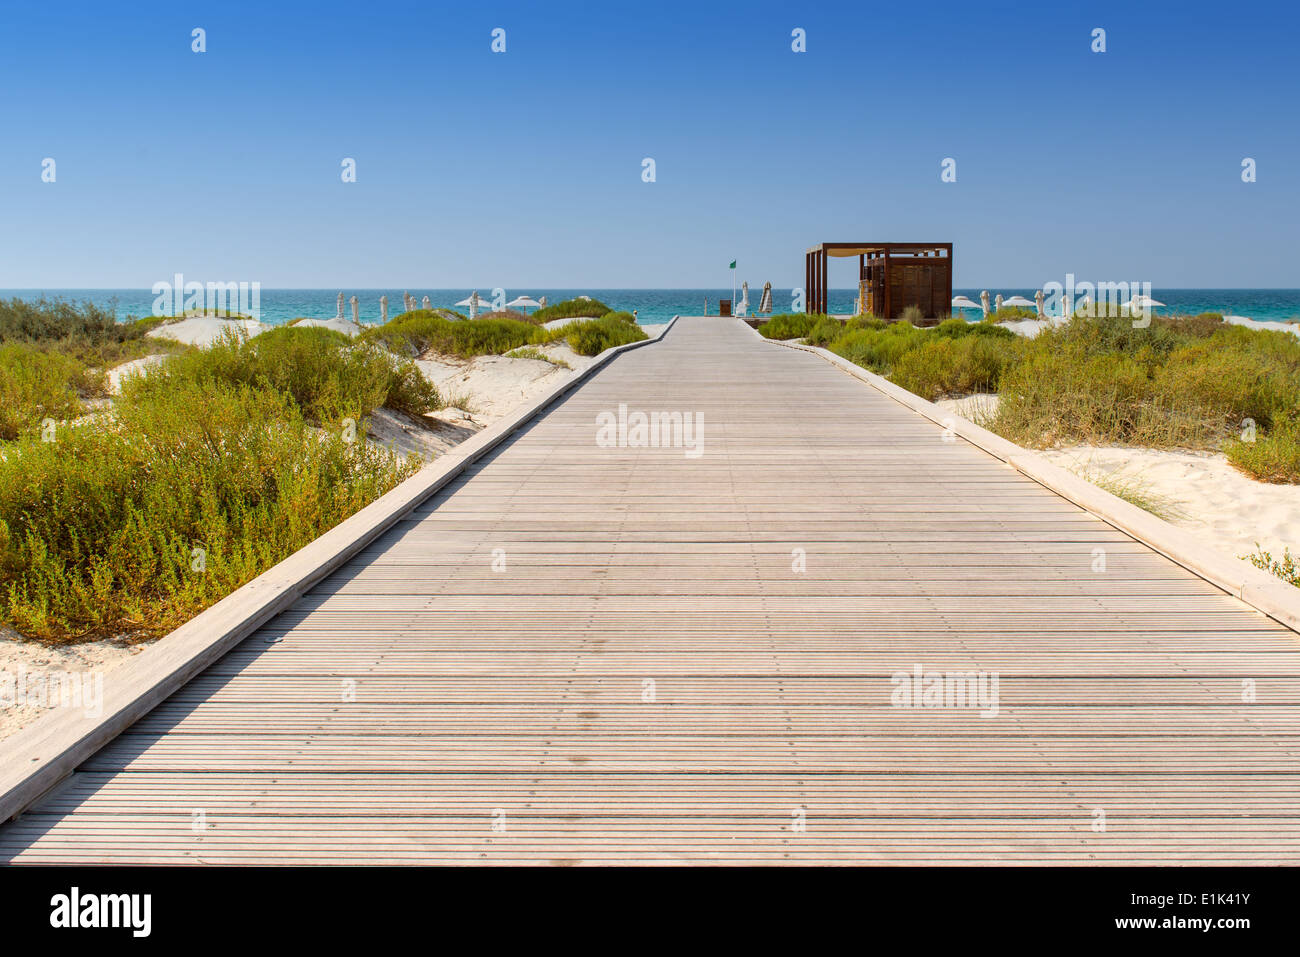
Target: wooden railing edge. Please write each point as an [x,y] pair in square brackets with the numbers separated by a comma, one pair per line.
[1263,592]
[35,759]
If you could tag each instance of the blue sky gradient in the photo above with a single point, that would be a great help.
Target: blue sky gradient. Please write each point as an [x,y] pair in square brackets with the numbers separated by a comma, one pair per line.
[523,169]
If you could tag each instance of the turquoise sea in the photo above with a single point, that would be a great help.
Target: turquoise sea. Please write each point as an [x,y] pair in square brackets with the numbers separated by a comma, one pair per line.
[652,305]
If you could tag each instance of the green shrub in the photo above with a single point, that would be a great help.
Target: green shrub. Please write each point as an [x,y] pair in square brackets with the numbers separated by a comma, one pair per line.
[1199,326]
[1054,396]
[825,331]
[594,336]
[878,348]
[1108,335]
[45,320]
[927,370]
[328,376]
[960,329]
[86,332]
[947,366]
[789,325]
[571,309]
[912,314]
[1178,382]
[864,321]
[98,528]
[414,333]
[36,384]
[1224,385]
[1274,457]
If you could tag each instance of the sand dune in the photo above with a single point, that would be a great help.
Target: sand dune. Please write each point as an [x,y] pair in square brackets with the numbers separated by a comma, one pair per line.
[205,330]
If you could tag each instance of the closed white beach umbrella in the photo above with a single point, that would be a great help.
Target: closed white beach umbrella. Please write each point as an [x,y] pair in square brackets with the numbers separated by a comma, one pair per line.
[765,300]
[984,301]
[472,302]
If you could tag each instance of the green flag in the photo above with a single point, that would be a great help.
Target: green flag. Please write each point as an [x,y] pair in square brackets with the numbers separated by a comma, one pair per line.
[733,265]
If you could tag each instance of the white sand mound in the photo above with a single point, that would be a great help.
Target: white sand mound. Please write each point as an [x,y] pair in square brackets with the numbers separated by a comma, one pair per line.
[429,436]
[1291,327]
[345,326]
[493,386]
[141,366]
[1028,327]
[1226,508]
[205,330]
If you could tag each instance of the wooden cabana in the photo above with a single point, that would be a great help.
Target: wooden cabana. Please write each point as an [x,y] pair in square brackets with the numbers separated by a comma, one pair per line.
[891,277]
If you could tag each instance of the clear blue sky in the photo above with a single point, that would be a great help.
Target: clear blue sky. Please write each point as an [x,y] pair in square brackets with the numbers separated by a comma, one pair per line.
[523,169]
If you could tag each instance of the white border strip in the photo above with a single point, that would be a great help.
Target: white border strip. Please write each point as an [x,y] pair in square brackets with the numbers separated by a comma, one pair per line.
[35,759]
[1275,598]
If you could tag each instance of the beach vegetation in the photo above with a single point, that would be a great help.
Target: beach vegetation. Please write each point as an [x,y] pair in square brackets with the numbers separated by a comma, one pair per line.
[1271,457]
[131,522]
[571,309]
[37,384]
[824,331]
[414,333]
[789,325]
[325,374]
[592,337]
[1286,568]
[529,352]
[1178,382]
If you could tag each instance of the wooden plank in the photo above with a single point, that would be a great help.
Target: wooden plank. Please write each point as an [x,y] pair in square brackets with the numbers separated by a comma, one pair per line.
[34,759]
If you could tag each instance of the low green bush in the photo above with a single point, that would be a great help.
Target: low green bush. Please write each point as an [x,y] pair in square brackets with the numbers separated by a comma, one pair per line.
[1057,396]
[86,332]
[130,523]
[789,325]
[824,331]
[414,333]
[594,336]
[878,348]
[36,384]
[1225,385]
[571,309]
[951,366]
[328,376]
[1271,457]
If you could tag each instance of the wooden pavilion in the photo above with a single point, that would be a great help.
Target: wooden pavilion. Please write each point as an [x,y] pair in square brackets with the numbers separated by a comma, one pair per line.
[891,277]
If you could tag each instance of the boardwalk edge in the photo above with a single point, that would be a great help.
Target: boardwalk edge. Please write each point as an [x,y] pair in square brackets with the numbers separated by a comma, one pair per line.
[37,758]
[1258,589]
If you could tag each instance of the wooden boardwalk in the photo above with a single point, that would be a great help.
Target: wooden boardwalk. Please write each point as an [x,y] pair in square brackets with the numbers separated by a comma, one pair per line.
[652,677]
